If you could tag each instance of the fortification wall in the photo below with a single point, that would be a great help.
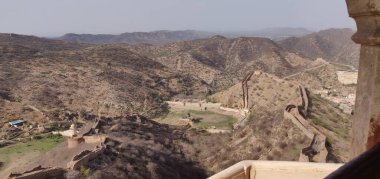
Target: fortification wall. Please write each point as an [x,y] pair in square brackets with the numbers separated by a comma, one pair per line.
[39,172]
[305,99]
[307,132]
[245,89]
[80,159]
[317,151]
[74,142]
[94,139]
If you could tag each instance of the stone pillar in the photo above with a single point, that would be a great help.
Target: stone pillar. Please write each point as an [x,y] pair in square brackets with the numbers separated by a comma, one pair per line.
[366,124]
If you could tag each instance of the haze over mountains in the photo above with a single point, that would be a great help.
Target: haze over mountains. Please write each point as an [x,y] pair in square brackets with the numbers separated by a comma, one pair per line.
[165,37]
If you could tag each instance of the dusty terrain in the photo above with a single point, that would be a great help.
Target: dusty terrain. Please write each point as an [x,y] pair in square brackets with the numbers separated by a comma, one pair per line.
[268,97]
[51,84]
[222,62]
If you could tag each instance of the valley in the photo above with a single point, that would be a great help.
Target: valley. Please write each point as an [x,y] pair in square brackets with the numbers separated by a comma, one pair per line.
[180,109]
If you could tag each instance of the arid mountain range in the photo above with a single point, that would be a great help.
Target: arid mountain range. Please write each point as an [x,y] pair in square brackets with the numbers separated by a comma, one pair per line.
[45,80]
[221,62]
[166,37]
[156,37]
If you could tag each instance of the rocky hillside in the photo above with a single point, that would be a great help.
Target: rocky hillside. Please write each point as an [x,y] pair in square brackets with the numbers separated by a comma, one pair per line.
[44,80]
[265,91]
[115,147]
[222,62]
[156,37]
[268,135]
[141,148]
[23,42]
[98,79]
[334,45]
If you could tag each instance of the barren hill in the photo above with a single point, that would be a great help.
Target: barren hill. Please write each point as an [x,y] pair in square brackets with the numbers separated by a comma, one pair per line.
[222,62]
[99,79]
[35,43]
[141,148]
[265,91]
[334,45]
[267,134]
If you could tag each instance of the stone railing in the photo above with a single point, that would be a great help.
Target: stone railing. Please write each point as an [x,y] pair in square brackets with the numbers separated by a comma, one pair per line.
[251,169]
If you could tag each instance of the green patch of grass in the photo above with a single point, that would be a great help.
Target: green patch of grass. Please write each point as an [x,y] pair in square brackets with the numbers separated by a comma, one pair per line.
[208,119]
[175,115]
[252,117]
[37,145]
[319,122]
[85,170]
[211,99]
[326,114]
[330,140]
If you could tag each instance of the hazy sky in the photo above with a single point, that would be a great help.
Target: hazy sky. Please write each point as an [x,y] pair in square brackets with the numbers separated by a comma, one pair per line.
[57,17]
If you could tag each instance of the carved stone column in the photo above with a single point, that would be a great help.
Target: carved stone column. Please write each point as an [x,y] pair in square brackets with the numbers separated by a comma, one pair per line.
[366,124]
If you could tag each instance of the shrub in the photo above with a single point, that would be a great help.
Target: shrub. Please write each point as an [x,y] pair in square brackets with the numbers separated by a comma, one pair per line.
[283,145]
[259,149]
[84,170]
[256,157]
[267,144]
[277,153]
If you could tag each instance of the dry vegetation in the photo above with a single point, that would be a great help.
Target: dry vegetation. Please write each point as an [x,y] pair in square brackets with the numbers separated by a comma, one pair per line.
[43,80]
[222,62]
[265,137]
[141,148]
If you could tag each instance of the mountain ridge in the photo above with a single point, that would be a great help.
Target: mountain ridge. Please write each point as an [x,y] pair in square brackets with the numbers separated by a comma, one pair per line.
[333,45]
[167,36]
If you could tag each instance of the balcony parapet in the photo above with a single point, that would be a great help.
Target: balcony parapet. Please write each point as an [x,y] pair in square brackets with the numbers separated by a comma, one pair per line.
[253,169]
